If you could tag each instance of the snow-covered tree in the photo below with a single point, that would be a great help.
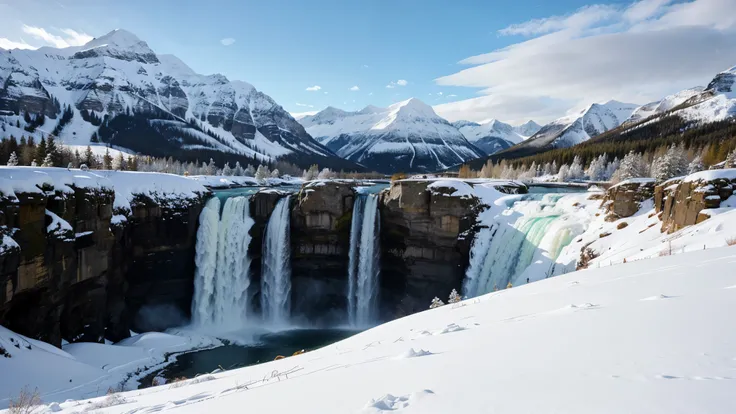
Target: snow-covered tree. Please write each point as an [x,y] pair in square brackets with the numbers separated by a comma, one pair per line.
[612,167]
[454,297]
[238,170]
[311,173]
[564,173]
[436,303]
[262,173]
[118,164]
[275,173]
[597,168]
[632,166]
[13,160]
[250,171]
[326,174]
[576,169]
[84,167]
[226,170]
[696,165]
[34,163]
[672,164]
[48,161]
[211,168]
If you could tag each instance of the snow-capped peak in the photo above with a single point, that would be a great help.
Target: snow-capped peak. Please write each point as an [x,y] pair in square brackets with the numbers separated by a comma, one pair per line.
[528,128]
[120,44]
[119,38]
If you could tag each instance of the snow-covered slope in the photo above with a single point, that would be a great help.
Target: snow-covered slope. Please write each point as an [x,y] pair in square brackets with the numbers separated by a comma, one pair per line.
[618,339]
[717,102]
[155,104]
[574,129]
[667,103]
[406,136]
[490,136]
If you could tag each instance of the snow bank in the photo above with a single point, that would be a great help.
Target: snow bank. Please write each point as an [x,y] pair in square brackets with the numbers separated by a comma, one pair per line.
[165,189]
[709,175]
[642,180]
[84,370]
[33,179]
[457,188]
[579,343]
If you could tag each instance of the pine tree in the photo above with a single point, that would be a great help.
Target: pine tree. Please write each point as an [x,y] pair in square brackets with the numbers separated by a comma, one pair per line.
[275,173]
[564,174]
[53,151]
[13,160]
[132,163]
[672,164]
[249,171]
[107,160]
[40,151]
[436,303]
[48,161]
[89,157]
[94,138]
[311,173]
[632,166]
[576,169]
[597,168]
[238,170]
[612,167]
[226,170]
[454,297]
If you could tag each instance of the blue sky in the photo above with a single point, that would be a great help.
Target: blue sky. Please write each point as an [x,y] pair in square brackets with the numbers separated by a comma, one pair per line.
[284,47]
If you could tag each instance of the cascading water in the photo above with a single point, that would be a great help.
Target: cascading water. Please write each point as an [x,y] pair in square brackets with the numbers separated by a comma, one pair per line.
[276,265]
[510,253]
[364,268]
[222,279]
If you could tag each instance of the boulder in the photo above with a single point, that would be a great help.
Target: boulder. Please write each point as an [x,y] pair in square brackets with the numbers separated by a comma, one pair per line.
[685,202]
[624,199]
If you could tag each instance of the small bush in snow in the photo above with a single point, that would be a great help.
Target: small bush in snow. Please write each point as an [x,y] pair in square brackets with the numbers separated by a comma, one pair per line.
[454,297]
[26,402]
[731,241]
[436,303]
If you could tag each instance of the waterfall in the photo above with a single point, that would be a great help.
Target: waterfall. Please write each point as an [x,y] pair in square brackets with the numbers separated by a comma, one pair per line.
[364,268]
[527,248]
[276,265]
[222,278]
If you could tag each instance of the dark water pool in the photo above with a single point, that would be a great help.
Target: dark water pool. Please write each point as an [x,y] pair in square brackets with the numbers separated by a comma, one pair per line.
[267,348]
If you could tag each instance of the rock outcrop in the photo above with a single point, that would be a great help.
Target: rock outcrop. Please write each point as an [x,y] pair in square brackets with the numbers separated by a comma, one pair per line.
[425,245]
[684,202]
[624,199]
[69,271]
[320,238]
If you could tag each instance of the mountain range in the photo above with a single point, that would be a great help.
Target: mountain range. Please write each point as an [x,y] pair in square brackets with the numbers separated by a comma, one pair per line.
[116,91]
[128,96]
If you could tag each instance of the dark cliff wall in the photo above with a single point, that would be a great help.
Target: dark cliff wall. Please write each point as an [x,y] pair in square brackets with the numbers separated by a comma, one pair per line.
[91,281]
[425,245]
[681,203]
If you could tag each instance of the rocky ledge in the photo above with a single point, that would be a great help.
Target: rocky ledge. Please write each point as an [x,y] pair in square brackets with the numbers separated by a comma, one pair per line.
[88,256]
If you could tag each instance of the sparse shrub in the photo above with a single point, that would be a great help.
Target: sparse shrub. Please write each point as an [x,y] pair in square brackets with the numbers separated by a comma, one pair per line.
[26,402]
[586,255]
[622,225]
[731,241]
[4,353]
[602,235]
[110,401]
[454,297]
[436,303]
[178,382]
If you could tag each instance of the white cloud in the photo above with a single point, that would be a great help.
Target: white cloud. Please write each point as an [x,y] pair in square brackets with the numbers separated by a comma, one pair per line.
[304,105]
[635,54]
[9,44]
[452,96]
[400,82]
[439,93]
[227,41]
[314,88]
[76,38]
[355,88]
[73,38]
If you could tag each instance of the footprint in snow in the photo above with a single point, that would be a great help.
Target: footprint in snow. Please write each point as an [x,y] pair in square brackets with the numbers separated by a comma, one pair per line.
[393,403]
[450,328]
[582,306]
[412,353]
[658,297]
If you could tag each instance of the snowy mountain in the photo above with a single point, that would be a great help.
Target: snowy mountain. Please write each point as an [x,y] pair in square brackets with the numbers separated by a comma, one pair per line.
[491,136]
[528,128]
[716,103]
[407,136]
[665,104]
[128,96]
[574,129]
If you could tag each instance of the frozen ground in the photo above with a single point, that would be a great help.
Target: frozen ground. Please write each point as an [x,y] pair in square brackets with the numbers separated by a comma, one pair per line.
[645,337]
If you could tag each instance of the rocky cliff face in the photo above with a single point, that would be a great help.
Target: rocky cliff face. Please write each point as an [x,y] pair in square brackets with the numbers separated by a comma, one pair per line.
[425,245]
[320,239]
[624,199]
[75,275]
[682,203]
